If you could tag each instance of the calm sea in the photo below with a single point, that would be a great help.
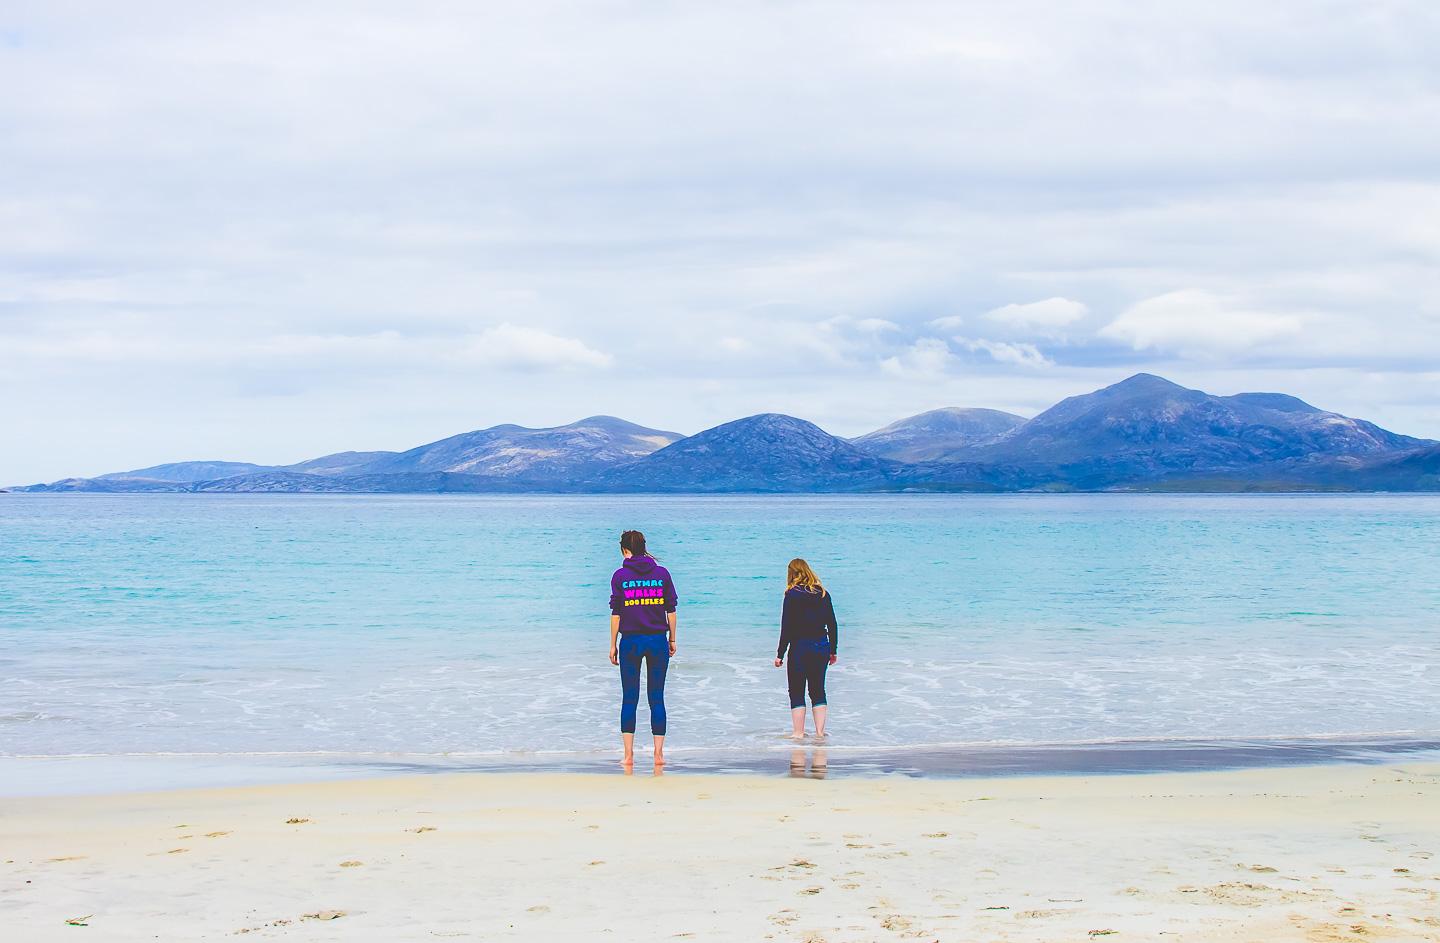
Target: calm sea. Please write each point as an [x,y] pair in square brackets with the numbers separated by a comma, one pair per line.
[475,626]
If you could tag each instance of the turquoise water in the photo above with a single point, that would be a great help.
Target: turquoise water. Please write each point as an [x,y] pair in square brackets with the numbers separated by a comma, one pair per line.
[241,624]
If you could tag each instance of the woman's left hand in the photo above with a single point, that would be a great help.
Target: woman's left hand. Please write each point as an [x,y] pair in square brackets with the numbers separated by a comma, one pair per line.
[672,646]
[834,658]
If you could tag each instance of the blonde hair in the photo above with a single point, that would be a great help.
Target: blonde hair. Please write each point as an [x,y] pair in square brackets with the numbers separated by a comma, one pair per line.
[799,574]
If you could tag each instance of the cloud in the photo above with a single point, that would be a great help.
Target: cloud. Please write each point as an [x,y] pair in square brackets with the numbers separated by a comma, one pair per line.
[1194,322]
[950,322]
[1020,355]
[525,348]
[504,346]
[1048,314]
[927,357]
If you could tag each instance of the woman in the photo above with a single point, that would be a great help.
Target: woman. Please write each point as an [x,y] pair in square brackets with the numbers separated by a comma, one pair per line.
[642,614]
[808,630]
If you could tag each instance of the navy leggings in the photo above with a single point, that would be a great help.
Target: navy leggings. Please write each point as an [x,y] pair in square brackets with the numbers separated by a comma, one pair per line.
[654,650]
[806,667]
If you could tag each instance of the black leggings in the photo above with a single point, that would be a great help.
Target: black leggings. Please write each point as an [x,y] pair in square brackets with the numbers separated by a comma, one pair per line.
[806,666]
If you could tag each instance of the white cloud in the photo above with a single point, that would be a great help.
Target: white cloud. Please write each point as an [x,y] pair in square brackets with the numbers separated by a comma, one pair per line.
[927,357]
[1195,322]
[1020,355]
[876,325]
[504,346]
[508,345]
[1048,314]
[951,322]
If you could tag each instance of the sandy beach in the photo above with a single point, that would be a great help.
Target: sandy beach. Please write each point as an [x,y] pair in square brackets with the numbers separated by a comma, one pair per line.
[1310,853]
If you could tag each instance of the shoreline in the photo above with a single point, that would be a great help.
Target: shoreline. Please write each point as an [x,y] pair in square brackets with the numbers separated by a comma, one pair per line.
[36,776]
[1313,853]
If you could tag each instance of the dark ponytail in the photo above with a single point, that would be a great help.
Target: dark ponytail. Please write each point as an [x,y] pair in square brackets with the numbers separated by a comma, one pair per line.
[634,541]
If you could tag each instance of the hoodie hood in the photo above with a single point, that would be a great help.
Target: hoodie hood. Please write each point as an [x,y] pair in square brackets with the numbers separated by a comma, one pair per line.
[640,566]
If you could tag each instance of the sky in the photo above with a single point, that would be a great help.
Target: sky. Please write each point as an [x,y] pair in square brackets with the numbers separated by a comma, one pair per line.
[269,231]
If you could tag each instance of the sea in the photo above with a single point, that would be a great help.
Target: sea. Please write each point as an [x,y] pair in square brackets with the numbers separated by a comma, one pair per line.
[164,639]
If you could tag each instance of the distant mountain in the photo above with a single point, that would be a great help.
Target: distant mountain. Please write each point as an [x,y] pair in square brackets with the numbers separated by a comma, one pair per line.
[105,486]
[768,452]
[500,458]
[933,434]
[1144,433]
[1146,429]
[1413,471]
[186,471]
[341,463]
[555,455]
[274,482]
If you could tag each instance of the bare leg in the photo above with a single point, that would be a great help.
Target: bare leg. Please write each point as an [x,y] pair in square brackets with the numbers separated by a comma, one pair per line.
[629,740]
[660,750]
[819,710]
[797,720]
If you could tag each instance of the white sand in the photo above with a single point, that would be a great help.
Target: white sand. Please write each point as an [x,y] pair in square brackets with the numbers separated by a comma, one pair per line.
[1324,853]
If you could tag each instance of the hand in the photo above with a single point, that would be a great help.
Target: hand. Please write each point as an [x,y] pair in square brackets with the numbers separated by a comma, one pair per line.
[614,657]
[672,646]
[834,658]
[779,662]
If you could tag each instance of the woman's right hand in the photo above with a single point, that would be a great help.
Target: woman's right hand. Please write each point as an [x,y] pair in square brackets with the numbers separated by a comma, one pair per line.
[779,662]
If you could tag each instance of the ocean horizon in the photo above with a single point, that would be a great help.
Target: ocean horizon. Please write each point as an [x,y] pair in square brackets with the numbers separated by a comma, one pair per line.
[324,633]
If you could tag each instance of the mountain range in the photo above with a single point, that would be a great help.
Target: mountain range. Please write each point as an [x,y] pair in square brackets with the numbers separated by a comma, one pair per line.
[1143,433]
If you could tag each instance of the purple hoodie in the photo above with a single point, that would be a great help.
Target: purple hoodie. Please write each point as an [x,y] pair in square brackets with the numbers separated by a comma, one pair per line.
[641,592]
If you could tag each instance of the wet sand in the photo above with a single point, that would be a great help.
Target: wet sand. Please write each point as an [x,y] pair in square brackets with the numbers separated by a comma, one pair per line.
[1302,853]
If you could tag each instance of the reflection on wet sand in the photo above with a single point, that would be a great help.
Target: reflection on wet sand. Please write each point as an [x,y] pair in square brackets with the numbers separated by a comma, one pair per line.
[808,764]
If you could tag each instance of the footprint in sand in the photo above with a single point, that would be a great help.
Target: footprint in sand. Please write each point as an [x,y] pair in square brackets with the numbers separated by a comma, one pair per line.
[216,834]
[282,922]
[936,835]
[297,821]
[895,922]
[69,858]
[423,829]
[1241,894]
[351,864]
[537,909]
[812,890]
[1258,868]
